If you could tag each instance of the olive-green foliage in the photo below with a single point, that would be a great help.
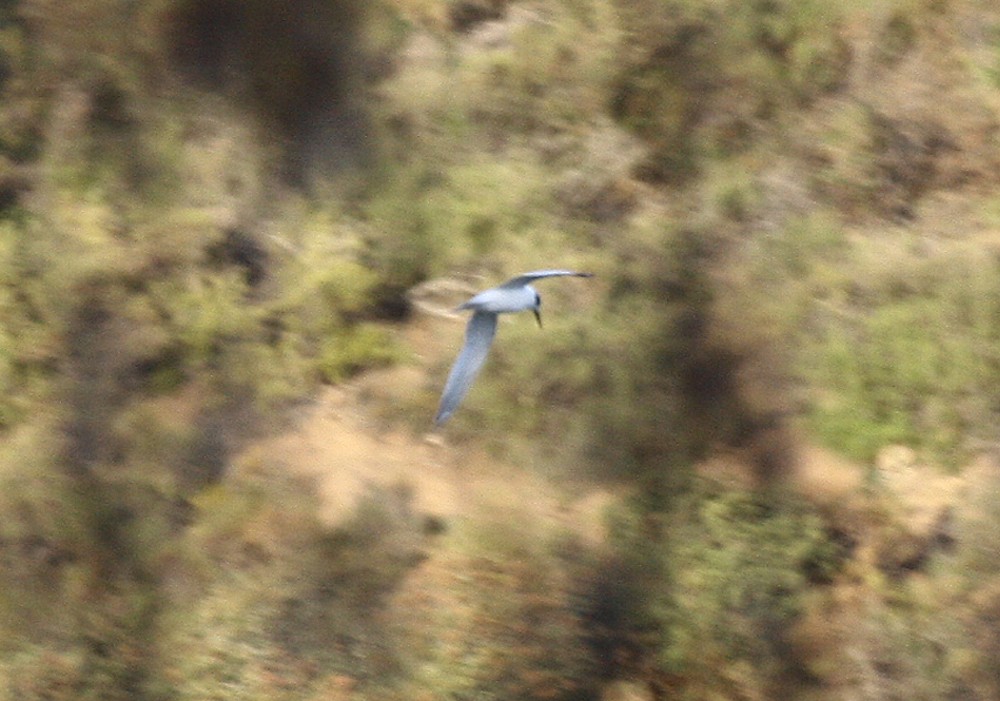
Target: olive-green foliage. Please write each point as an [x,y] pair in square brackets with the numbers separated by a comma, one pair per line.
[264,602]
[547,68]
[552,73]
[39,672]
[76,608]
[26,341]
[458,217]
[735,571]
[142,193]
[355,349]
[908,361]
[894,343]
[968,588]
[147,313]
[38,540]
[702,79]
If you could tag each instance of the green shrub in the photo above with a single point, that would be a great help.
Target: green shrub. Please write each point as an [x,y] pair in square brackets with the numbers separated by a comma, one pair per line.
[40,673]
[889,343]
[355,349]
[40,540]
[737,568]
[910,363]
[265,602]
[702,79]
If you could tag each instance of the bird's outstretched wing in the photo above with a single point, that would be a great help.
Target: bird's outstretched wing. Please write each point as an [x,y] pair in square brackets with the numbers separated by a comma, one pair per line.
[527,278]
[478,338]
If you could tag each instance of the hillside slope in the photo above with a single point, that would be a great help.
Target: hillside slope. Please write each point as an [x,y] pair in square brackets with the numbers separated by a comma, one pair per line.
[753,457]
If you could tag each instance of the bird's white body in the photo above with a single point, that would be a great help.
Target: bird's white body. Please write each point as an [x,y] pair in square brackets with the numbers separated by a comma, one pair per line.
[501,301]
[515,295]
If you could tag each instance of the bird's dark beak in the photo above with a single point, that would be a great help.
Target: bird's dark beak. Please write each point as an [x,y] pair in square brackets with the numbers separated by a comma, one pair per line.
[538,317]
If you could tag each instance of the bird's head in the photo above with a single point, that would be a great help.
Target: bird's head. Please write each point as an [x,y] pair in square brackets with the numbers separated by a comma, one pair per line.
[537,309]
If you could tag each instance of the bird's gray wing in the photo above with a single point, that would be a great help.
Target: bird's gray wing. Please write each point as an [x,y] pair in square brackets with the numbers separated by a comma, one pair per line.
[527,278]
[478,338]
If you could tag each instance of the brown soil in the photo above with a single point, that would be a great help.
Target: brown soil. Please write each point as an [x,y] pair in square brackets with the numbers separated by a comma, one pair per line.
[335,444]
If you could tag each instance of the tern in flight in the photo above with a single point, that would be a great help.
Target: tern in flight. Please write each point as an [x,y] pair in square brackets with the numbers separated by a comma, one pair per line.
[515,295]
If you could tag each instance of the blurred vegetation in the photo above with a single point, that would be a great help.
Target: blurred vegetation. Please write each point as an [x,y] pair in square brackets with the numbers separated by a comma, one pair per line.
[732,571]
[467,642]
[209,209]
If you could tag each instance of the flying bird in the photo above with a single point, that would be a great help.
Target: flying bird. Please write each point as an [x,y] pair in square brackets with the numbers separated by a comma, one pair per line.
[515,295]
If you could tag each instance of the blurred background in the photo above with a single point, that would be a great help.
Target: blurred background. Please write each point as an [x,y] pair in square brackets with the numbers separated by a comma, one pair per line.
[755,457]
